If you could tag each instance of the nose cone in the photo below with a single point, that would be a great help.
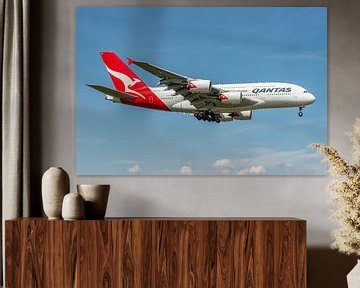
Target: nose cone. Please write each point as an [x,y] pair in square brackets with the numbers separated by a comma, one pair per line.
[309,98]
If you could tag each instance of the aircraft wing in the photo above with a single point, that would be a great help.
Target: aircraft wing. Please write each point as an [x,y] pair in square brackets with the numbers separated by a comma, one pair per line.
[160,72]
[179,83]
[112,92]
[182,85]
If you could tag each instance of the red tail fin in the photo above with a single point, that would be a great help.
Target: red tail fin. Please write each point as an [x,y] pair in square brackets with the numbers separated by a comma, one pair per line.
[123,77]
[125,80]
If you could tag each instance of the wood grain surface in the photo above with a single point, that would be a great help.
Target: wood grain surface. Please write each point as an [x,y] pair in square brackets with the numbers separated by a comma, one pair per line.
[157,253]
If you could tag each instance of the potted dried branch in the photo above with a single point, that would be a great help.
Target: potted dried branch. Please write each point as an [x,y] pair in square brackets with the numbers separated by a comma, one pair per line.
[345,192]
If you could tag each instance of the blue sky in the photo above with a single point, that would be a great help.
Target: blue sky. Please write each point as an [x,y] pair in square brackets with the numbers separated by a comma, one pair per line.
[224,45]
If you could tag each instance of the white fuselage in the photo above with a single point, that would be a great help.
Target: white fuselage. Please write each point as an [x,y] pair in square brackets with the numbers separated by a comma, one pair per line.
[266,95]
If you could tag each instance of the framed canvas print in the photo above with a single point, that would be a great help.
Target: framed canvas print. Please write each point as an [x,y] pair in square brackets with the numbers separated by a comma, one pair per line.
[200,90]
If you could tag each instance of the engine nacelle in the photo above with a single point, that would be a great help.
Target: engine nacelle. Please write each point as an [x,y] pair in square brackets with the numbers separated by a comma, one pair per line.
[199,86]
[243,115]
[231,98]
[112,99]
[226,117]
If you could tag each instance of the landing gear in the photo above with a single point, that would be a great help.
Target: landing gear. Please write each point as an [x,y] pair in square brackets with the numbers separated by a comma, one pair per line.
[197,116]
[207,116]
[300,111]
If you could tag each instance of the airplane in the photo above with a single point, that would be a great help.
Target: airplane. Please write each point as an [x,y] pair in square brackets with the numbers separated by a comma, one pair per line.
[206,101]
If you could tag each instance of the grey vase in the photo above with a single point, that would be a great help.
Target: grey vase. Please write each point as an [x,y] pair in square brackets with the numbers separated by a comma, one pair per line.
[96,198]
[353,278]
[55,185]
[73,207]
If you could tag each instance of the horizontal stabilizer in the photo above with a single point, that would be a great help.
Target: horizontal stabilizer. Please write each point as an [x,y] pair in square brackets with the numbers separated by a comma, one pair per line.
[112,92]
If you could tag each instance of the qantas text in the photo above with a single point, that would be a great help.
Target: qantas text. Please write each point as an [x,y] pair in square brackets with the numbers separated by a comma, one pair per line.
[271,90]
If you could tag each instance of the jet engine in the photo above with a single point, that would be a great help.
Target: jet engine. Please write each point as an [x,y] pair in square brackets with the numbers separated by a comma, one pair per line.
[231,98]
[243,115]
[112,99]
[199,86]
[226,117]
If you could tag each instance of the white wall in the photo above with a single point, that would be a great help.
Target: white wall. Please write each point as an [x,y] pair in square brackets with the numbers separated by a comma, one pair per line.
[53,129]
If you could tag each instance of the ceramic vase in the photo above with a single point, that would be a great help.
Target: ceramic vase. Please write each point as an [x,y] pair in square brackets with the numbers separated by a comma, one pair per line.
[353,278]
[73,207]
[55,185]
[96,198]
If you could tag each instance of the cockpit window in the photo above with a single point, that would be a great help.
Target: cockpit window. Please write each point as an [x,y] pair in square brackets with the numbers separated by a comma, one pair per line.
[305,91]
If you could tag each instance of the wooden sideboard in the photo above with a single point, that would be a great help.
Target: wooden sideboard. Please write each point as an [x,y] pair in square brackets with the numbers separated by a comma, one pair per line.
[156,252]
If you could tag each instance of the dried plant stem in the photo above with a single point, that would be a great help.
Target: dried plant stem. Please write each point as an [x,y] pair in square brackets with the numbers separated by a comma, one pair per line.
[345,192]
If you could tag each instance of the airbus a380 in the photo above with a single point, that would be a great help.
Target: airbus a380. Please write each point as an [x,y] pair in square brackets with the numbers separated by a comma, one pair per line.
[206,101]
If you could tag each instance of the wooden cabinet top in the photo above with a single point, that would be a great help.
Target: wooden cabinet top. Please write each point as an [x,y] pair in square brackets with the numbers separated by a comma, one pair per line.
[271,219]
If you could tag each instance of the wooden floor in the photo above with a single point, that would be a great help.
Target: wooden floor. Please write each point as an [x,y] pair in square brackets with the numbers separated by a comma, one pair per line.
[159,252]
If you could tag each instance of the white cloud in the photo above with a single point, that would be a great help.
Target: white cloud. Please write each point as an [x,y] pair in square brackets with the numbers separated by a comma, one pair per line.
[223,164]
[226,171]
[282,162]
[135,169]
[285,159]
[186,170]
[253,170]
[289,162]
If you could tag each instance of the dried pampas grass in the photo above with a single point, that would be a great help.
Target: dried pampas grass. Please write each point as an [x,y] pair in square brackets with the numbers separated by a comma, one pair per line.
[345,192]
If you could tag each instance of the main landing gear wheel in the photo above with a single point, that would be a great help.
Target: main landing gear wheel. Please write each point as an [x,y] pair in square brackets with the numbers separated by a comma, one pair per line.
[197,116]
[300,111]
[207,116]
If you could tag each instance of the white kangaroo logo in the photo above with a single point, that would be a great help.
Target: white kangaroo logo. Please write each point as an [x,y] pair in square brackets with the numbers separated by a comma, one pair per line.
[126,80]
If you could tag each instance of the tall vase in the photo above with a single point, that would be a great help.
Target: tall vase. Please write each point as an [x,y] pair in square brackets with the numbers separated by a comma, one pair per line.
[353,278]
[55,185]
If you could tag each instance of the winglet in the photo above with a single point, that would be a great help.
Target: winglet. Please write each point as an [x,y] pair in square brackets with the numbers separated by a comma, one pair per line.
[130,60]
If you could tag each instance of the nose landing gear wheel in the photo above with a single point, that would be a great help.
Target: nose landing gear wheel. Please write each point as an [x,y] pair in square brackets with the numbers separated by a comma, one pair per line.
[300,114]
